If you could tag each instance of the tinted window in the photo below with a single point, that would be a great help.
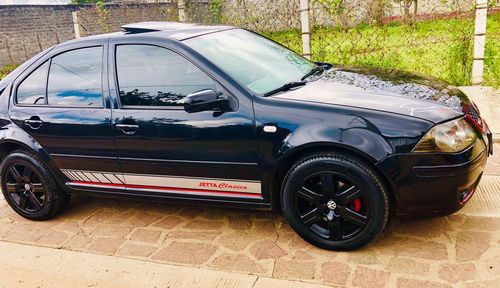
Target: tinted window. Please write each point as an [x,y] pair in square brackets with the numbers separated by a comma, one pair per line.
[75,78]
[32,89]
[154,76]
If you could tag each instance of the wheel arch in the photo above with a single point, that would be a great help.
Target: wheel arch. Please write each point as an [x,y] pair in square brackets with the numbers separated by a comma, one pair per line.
[13,138]
[7,146]
[294,155]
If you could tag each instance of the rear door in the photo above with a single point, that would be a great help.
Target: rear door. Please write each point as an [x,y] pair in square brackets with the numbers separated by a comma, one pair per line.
[62,102]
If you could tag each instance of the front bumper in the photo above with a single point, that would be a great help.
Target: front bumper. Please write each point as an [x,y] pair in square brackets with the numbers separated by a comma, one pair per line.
[427,184]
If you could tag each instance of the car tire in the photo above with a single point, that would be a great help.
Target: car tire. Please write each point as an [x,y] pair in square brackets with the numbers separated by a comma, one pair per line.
[335,201]
[29,187]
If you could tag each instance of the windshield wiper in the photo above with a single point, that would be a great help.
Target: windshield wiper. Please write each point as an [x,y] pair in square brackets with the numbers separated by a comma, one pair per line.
[317,69]
[285,87]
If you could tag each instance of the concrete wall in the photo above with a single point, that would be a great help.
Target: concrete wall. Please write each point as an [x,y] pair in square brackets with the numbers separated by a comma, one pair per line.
[26,30]
[112,17]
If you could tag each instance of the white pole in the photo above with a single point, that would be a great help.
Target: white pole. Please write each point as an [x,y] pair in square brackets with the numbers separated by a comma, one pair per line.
[305,21]
[479,41]
[181,6]
[76,25]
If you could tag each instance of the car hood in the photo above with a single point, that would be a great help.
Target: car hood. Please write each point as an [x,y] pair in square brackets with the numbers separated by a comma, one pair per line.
[384,90]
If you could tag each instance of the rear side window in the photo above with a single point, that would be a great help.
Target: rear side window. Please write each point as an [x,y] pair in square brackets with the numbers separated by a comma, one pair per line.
[75,78]
[155,76]
[32,90]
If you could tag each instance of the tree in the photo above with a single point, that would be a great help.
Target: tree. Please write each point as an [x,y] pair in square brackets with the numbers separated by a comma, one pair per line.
[405,8]
[377,10]
[336,9]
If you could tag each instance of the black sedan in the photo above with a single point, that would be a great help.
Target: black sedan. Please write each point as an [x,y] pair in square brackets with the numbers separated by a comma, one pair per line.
[216,114]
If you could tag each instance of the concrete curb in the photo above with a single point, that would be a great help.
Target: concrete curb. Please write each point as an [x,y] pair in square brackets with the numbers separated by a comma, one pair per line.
[35,266]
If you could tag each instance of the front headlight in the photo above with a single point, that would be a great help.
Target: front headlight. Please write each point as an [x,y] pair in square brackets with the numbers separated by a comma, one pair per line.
[453,136]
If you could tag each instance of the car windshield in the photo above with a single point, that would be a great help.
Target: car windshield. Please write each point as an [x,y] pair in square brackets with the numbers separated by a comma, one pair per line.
[256,62]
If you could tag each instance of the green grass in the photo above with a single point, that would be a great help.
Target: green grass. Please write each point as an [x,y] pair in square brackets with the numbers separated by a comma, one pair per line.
[441,48]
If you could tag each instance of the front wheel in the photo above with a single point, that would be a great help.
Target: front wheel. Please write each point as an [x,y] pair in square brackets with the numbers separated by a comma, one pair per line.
[335,201]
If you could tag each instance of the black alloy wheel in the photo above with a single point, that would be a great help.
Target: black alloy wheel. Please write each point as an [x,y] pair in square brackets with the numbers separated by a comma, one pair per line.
[24,188]
[333,207]
[29,187]
[335,201]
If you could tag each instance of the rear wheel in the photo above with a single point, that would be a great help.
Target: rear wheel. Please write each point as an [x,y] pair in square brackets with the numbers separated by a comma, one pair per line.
[335,201]
[29,187]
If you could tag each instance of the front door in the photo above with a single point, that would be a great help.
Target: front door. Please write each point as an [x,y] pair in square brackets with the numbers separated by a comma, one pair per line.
[61,104]
[163,150]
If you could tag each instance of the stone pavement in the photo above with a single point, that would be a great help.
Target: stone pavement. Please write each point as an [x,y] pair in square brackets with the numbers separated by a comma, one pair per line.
[458,250]
[36,266]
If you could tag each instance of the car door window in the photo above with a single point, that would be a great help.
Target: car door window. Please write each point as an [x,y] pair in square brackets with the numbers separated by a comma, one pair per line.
[75,78]
[32,90]
[154,76]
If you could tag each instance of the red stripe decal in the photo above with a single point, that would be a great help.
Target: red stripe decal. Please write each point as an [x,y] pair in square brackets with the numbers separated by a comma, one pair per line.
[185,190]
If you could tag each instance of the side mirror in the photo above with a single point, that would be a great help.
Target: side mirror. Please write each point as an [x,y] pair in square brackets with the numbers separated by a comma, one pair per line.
[205,100]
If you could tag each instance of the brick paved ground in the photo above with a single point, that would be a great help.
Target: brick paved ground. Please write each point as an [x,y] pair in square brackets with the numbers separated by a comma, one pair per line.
[443,252]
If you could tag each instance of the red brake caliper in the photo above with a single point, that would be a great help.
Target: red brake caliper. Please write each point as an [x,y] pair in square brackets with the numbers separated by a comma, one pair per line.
[357,204]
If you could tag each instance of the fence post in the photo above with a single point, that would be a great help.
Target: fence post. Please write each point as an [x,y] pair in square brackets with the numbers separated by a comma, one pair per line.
[479,41]
[76,24]
[9,53]
[181,6]
[305,23]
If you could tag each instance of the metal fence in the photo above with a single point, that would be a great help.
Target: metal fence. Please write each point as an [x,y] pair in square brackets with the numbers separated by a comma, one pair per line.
[439,38]
[432,37]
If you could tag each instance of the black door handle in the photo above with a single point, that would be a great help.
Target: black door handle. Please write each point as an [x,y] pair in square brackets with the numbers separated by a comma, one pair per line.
[34,122]
[128,129]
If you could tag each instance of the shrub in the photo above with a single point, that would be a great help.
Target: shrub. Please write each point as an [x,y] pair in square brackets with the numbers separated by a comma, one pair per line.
[6,69]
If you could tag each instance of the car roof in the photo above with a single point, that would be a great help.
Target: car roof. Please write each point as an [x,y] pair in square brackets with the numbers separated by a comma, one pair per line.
[176,30]
[172,30]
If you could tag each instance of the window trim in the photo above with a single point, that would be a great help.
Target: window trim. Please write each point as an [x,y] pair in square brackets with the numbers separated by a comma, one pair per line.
[142,107]
[49,60]
[46,102]
[20,82]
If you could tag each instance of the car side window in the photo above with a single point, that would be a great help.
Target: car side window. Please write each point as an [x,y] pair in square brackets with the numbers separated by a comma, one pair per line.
[75,78]
[154,76]
[31,91]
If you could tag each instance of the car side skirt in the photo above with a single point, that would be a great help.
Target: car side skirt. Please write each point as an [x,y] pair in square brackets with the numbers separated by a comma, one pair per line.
[164,184]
